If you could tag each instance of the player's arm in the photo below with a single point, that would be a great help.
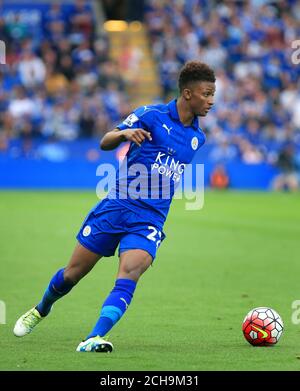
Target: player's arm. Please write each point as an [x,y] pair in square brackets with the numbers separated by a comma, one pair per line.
[115,137]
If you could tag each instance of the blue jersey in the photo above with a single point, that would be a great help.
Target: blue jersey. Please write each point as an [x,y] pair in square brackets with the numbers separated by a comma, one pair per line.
[154,168]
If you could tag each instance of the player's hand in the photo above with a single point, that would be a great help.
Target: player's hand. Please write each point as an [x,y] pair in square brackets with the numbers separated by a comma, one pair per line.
[137,136]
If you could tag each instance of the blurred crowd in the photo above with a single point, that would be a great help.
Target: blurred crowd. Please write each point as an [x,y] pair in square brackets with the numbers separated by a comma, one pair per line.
[249,45]
[59,82]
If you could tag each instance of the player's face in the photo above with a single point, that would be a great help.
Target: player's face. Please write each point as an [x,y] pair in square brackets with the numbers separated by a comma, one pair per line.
[201,97]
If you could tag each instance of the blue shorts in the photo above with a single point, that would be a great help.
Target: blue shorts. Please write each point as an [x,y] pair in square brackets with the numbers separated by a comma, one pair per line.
[110,224]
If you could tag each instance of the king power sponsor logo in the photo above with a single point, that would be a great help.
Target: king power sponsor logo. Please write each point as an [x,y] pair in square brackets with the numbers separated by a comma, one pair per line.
[168,166]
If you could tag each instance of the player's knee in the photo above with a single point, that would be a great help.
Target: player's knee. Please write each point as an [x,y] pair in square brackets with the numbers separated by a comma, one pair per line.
[72,275]
[133,269]
[131,274]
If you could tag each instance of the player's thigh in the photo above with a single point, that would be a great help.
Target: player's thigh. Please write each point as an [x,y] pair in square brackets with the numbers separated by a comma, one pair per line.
[100,232]
[133,263]
[145,237]
[81,262]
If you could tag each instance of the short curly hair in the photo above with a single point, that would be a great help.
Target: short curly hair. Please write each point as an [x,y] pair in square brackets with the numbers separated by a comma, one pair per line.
[195,71]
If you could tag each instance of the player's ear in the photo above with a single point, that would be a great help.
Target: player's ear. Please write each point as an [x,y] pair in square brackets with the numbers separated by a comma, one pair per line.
[187,94]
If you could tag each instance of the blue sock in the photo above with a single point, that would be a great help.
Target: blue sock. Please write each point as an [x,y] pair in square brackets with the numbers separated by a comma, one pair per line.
[57,288]
[114,306]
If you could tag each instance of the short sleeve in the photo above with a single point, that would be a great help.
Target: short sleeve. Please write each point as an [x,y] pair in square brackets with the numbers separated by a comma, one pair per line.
[139,118]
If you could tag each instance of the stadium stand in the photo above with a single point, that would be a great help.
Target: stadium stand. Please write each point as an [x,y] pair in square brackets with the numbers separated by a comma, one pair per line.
[63,84]
[248,43]
[57,63]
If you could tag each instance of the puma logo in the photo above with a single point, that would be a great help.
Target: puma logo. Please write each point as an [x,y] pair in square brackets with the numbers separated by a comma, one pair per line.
[124,302]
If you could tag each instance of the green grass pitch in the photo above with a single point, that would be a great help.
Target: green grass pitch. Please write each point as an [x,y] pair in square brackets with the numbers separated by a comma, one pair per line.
[240,251]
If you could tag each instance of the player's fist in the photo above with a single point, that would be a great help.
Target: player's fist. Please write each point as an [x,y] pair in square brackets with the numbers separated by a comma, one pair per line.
[136,136]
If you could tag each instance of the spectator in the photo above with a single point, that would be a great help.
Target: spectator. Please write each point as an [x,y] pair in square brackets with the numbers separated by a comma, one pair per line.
[287,179]
[21,105]
[56,83]
[129,61]
[54,21]
[32,70]
[223,151]
[250,154]
[219,178]
[86,121]
[81,19]
[66,67]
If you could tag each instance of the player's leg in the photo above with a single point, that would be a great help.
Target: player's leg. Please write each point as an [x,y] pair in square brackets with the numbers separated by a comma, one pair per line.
[81,262]
[133,263]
